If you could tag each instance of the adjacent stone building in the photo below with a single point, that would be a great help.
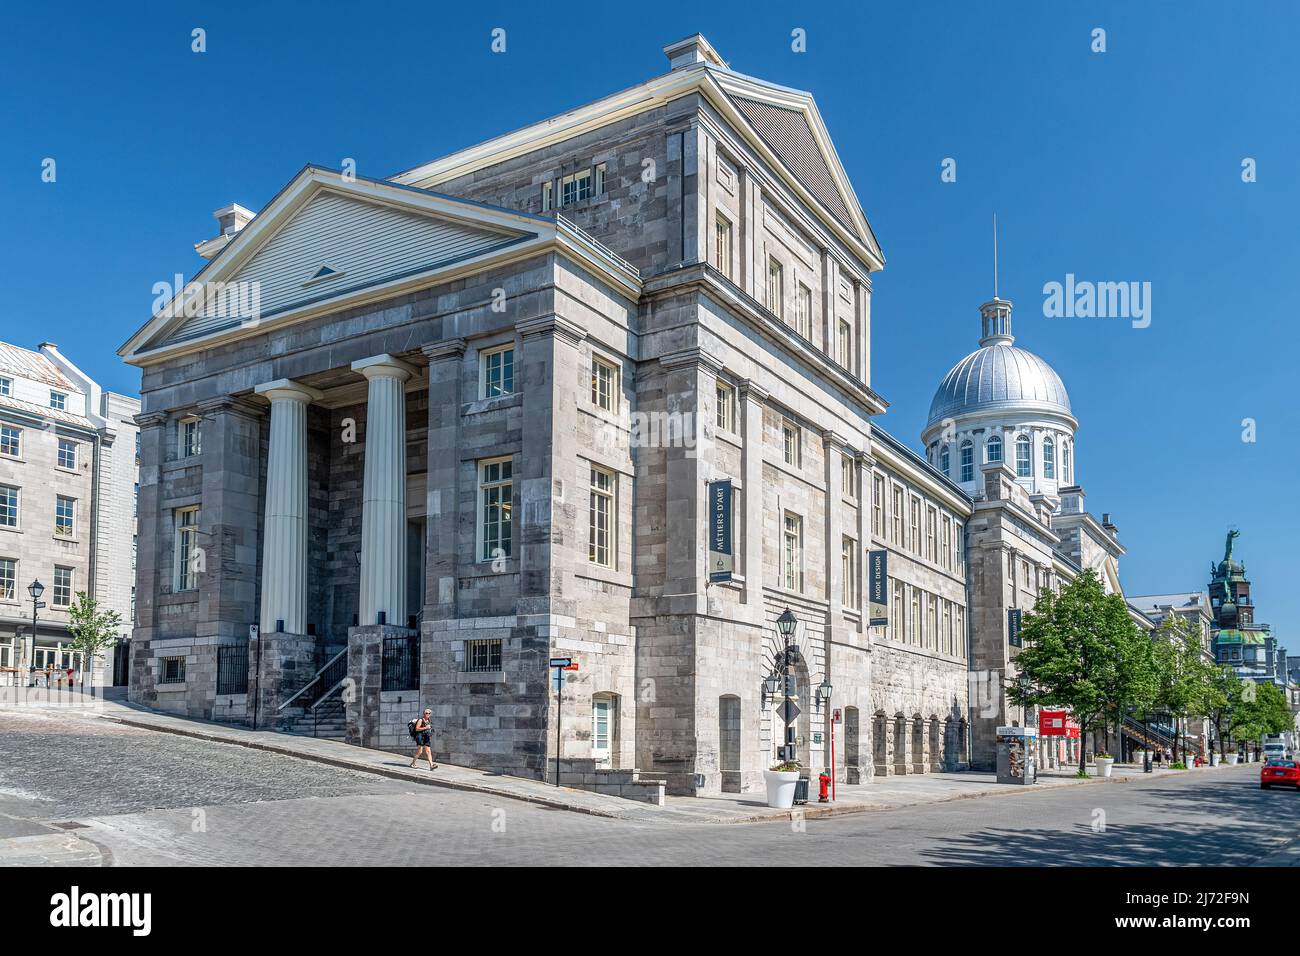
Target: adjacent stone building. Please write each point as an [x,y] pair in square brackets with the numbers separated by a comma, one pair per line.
[68,471]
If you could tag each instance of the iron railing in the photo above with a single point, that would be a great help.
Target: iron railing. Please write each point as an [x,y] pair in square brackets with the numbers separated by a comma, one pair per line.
[232,669]
[482,655]
[401,663]
[324,680]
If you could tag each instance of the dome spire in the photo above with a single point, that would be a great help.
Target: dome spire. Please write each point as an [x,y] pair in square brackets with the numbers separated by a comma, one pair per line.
[995,315]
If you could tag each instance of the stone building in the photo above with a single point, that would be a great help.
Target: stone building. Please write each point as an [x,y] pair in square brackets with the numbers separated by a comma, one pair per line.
[462,421]
[68,470]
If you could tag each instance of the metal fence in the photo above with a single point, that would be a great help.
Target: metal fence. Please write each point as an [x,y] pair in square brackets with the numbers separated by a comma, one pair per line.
[401,663]
[232,669]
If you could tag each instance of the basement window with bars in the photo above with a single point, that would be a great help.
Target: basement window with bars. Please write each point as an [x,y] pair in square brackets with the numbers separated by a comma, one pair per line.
[172,670]
[482,656]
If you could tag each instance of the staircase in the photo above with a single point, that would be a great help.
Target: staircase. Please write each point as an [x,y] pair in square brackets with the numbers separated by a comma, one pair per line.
[1149,736]
[325,719]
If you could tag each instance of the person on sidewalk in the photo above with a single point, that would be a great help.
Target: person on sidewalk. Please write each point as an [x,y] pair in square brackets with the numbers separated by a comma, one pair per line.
[423,732]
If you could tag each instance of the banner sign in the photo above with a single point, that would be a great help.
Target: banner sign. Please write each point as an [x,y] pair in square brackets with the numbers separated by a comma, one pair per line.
[1057,723]
[722,560]
[1013,627]
[878,587]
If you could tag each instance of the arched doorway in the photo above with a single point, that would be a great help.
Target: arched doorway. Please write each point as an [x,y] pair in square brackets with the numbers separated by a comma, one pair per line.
[852,747]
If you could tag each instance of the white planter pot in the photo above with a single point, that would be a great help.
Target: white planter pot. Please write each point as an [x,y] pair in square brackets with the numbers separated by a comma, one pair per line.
[1215,760]
[1232,759]
[780,788]
[1104,765]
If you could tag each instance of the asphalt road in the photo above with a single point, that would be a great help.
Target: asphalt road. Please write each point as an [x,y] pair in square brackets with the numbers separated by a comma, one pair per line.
[139,797]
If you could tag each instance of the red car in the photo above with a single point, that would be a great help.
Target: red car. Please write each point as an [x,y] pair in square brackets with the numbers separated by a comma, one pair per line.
[1282,773]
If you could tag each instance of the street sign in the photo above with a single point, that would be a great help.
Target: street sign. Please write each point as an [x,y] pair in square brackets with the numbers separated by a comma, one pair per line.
[789,711]
[835,715]
[561,661]
[570,667]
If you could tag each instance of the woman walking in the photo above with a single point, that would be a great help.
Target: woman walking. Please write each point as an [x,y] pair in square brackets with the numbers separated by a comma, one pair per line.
[423,733]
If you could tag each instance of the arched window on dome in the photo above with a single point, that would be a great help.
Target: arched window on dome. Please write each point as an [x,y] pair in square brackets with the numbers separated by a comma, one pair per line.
[993,449]
[944,460]
[1024,457]
[967,460]
[1049,458]
[1065,463]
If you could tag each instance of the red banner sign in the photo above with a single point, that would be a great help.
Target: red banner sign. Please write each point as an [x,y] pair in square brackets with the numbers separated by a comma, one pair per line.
[1057,723]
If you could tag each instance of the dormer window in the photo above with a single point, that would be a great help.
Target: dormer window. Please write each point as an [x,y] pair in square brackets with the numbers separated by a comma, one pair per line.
[6,386]
[58,401]
[323,274]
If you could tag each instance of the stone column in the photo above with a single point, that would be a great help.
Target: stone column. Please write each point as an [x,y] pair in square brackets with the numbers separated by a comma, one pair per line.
[752,397]
[383,498]
[442,489]
[284,550]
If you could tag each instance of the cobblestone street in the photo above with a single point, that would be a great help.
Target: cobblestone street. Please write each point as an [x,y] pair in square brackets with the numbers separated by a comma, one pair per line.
[134,797]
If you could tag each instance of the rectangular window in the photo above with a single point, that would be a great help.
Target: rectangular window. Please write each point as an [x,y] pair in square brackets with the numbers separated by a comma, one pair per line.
[6,386]
[792,553]
[483,655]
[601,721]
[947,645]
[947,543]
[599,173]
[844,344]
[803,311]
[931,535]
[967,462]
[849,569]
[899,505]
[722,244]
[726,414]
[188,558]
[191,433]
[8,579]
[62,587]
[848,476]
[914,618]
[173,670]
[64,515]
[790,443]
[775,288]
[497,372]
[604,385]
[960,636]
[896,613]
[495,495]
[600,550]
[8,506]
[914,527]
[67,453]
[58,400]
[932,622]
[548,196]
[11,441]
[878,506]
[575,187]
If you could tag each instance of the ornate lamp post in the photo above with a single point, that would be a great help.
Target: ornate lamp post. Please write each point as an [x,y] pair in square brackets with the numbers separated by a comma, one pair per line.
[35,589]
[785,625]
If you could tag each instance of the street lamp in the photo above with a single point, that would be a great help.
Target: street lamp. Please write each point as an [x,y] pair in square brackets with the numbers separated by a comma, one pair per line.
[785,625]
[35,589]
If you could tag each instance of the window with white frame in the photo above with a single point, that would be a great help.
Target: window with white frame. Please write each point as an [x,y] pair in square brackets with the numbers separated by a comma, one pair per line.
[1024,457]
[931,535]
[187,558]
[896,624]
[790,449]
[575,187]
[62,587]
[897,512]
[65,510]
[803,311]
[548,196]
[849,570]
[878,506]
[945,461]
[792,553]
[604,384]
[726,411]
[914,527]
[947,647]
[844,344]
[967,461]
[602,725]
[722,244]
[497,372]
[1049,458]
[58,400]
[993,450]
[947,543]
[6,386]
[67,453]
[602,515]
[848,476]
[914,616]
[11,441]
[932,622]
[496,504]
[598,172]
[191,436]
[8,579]
[775,288]
[1065,463]
[8,506]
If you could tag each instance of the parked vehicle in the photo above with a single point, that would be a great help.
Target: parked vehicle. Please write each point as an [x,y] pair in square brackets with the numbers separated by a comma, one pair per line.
[1279,773]
[1279,746]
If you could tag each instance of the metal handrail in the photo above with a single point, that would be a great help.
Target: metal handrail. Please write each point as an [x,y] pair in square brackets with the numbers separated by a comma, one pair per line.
[315,678]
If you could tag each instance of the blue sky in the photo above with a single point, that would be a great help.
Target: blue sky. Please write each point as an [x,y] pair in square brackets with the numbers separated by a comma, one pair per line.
[1115,166]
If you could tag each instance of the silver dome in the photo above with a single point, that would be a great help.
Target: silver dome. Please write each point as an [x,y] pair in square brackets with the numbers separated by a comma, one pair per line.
[999,376]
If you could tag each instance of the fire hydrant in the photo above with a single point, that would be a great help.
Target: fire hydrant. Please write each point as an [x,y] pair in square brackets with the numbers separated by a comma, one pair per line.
[823,788]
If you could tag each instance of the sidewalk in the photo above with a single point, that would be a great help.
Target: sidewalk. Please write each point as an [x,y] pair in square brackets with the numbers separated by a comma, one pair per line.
[886,793]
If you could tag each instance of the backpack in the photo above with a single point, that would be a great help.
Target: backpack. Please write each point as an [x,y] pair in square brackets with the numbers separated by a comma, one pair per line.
[410,727]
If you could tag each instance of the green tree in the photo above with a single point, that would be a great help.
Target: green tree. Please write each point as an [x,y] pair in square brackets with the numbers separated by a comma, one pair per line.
[1222,699]
[1184,675]
[1131,684]
[1265,712]
[1074,646]
[92,629]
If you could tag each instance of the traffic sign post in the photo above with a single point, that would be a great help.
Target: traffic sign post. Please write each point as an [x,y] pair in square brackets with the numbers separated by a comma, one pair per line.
[561,664]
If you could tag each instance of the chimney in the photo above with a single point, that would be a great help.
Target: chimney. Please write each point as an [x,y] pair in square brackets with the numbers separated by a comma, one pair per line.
[1108,524]
[230,219]
[692,51]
